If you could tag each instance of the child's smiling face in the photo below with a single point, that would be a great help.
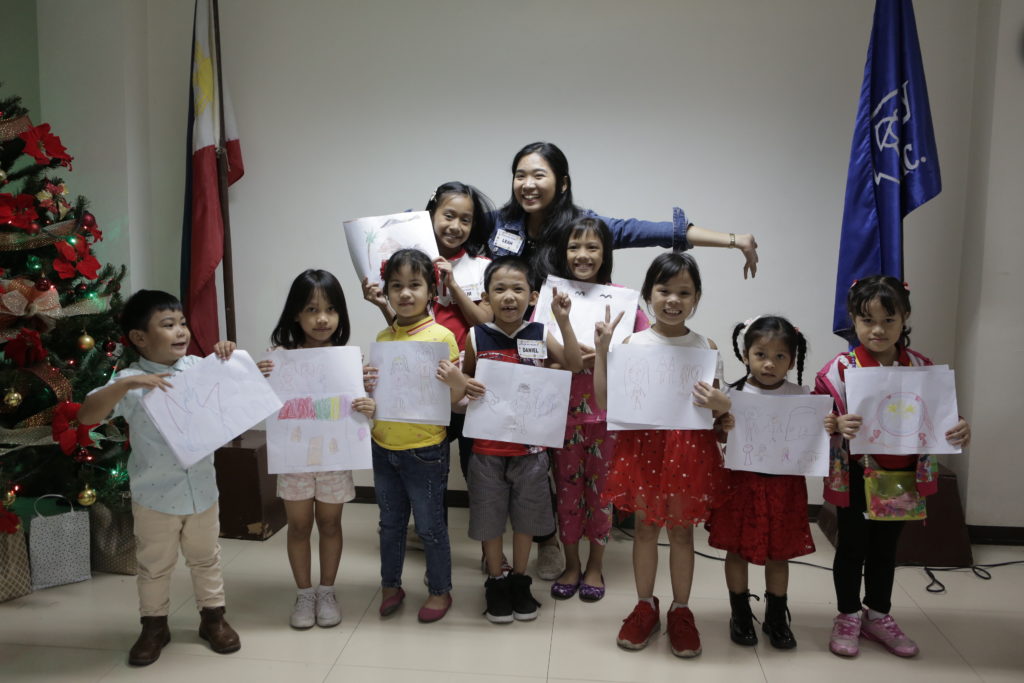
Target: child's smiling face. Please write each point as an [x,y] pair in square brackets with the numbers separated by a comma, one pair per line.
[165,339]
[674,300]
[509,294]
[453,221]
[585,255]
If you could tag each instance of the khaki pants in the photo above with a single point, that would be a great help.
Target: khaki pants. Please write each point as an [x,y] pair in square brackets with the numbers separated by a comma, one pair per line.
[157,537]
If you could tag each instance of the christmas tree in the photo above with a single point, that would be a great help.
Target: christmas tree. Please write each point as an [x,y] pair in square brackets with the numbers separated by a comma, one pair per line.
[59,332]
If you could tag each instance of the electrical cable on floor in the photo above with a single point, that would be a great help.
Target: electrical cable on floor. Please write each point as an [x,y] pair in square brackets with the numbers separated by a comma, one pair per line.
[934,585]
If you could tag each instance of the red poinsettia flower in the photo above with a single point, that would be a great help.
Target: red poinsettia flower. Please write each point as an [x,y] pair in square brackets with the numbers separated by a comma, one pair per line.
[19,212]
[75,260]
[67,431]
[45,147]
[25,349]
[9,522]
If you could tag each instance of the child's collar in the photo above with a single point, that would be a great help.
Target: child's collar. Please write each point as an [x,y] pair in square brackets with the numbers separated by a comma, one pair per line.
[862,358]
[494,326]
[153,367]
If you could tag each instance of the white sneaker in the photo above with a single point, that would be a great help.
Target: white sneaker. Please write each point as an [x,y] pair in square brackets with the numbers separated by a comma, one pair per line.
[328,613]
[549,562]
[304,613]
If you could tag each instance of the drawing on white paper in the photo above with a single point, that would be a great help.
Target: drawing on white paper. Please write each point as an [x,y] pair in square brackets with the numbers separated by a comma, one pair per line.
[407,386]
[372,240]
[904,410]
[651,387]
[316,430]
[588,307]
[771,430]
[209,404]
[523,404]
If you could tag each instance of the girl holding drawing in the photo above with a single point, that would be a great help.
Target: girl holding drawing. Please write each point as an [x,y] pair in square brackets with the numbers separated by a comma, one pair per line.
[879,307]
[585,254]
[667,477]
[410,461]
[764,518]
[314,316]
[541,205]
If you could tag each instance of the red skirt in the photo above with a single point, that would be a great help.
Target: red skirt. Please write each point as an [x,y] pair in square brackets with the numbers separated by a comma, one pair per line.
[670,476]
[763,518]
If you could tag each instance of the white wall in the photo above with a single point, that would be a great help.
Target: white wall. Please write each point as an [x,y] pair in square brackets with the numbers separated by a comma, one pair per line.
[741,112]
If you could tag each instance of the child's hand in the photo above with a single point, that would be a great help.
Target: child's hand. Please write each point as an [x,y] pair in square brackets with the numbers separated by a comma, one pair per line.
[369,378]
[706,396]
[848,425]
[560,305]
[265,366]
[603,330]
[223,349]
[374,294]
[364,405]
[589,354]
[831,424]
[444,269]
[960,435]
[474,389]
[148,381]
[449,373]
[725,423]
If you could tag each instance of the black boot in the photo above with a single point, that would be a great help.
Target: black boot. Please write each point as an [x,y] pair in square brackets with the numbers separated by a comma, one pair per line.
[776,622]
[741,624]
[215,630]
[154,636]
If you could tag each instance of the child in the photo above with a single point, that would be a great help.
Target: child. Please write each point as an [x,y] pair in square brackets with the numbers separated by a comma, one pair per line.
[667,477]
[764,519]
[461,216]
[581,467]
[879,307]
[173,507]
[315,316]
[509,480]
[410,461]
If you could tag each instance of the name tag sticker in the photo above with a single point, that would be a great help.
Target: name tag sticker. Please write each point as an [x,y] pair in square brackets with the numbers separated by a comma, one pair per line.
[533,348]
[508,240]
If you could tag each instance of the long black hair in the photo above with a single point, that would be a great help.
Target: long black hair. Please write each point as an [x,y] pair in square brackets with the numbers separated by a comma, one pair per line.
[769,327]
[483,212]
[288,332]
[578,228]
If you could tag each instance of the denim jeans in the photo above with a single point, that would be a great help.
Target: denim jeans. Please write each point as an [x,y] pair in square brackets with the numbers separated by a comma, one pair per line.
[413,480]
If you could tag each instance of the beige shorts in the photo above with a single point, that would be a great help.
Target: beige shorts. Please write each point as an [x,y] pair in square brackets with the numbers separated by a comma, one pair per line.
[326,487]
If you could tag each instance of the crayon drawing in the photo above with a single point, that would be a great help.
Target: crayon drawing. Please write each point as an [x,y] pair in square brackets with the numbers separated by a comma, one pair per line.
[523,404]
[372,240]
[651,387]
[588,307]
[407,387]
[778,434]
[316,429]
[209,404]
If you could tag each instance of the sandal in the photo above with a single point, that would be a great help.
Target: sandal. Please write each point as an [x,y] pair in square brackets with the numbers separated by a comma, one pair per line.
[590,593]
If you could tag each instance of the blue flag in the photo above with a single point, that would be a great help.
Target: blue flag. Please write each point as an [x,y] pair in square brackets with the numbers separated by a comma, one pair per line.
[894,167]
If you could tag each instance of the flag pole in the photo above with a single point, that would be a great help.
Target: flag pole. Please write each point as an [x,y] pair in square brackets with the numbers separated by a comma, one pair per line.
[222,187]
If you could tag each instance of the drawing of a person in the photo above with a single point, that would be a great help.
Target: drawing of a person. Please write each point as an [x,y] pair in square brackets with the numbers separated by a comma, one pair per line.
[522,407]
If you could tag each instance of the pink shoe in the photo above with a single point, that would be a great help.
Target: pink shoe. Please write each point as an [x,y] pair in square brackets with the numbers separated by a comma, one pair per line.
[886,631]
[846,630]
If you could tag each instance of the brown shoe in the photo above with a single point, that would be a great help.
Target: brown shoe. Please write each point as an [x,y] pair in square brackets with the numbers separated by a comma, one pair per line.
[214,629]
[154,636]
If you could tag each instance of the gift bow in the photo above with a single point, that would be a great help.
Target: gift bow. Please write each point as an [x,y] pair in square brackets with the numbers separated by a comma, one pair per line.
[21,299]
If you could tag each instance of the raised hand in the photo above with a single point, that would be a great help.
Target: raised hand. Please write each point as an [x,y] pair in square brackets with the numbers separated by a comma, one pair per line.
[603,330]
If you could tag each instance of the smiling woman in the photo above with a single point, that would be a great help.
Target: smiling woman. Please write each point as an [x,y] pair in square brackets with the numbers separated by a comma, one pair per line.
[541,204]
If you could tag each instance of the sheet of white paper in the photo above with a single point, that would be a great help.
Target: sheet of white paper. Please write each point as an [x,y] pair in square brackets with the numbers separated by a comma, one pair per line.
[210,403]
[316,430]
[372,240]
[905,411]
[523,404]
[407,387]
[779,434]
[588,307]
[651,387]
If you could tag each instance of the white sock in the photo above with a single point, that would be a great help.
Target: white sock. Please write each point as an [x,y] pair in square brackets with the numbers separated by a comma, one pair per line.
[677,605]
[306,591]
[873,615]
[649,601]
[322,589]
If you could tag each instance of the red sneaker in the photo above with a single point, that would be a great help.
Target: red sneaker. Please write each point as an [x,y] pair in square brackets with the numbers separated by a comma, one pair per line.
[640,627]
[682,633]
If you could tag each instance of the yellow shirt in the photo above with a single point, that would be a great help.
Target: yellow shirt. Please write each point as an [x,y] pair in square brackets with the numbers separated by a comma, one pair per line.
[401,436]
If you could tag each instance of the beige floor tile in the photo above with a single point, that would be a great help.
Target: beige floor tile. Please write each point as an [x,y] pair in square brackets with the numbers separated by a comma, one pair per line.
[175,668]
[348,674]
[988,639]
[55,664]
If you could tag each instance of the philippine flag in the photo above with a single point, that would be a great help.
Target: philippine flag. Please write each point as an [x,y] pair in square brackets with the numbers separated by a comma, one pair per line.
[202,244]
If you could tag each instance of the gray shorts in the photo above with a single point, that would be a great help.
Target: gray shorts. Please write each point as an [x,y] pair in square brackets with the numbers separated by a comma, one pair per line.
[503,487]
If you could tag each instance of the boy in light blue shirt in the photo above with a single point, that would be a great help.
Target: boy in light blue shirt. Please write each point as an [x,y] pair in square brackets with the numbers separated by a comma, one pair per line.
[173,506]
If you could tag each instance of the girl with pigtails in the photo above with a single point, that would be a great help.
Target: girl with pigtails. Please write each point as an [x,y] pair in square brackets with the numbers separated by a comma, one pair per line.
[763,519]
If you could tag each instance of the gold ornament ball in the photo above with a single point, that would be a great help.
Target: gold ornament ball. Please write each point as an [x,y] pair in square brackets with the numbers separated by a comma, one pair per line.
[87,496]
[12,399]
[85,342]
[9,498]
